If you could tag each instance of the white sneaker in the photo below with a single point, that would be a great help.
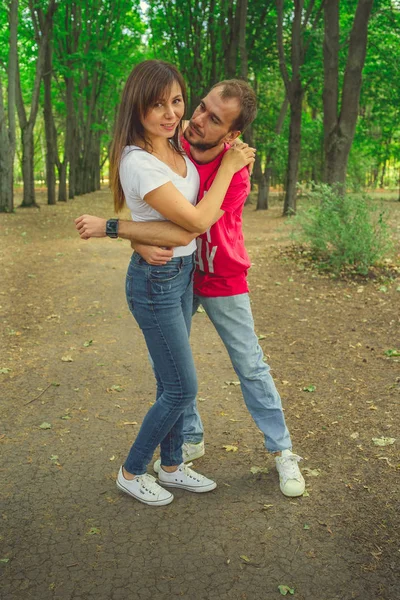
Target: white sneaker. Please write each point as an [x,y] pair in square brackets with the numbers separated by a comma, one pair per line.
[189,452]
[145,489]
[291,481]
[186,479]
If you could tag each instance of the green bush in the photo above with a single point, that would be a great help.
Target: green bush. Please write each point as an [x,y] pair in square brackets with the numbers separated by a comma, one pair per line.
[343,231]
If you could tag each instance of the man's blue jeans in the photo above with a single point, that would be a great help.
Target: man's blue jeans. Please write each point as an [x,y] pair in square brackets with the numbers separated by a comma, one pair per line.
[161,299]
[233,320]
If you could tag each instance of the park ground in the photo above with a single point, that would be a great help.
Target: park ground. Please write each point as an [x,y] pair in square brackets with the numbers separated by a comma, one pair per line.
[75,384]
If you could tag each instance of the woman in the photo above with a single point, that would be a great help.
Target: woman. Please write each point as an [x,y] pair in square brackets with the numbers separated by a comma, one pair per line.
[151,173]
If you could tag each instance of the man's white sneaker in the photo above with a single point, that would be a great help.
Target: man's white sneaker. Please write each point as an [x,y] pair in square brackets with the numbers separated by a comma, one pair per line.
[145,489]
[291,481]
[186,479]
[189,452]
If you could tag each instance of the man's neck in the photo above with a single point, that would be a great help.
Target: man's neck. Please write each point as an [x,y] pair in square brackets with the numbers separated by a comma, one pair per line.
[206,156]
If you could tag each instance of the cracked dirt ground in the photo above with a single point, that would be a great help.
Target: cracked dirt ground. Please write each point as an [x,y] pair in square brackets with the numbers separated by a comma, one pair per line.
[66,531]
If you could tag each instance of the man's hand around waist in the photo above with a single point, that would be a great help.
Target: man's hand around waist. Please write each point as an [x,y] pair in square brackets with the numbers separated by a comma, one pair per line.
[154,255]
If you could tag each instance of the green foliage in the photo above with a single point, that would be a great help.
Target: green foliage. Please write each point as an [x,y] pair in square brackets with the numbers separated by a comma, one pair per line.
[343,231]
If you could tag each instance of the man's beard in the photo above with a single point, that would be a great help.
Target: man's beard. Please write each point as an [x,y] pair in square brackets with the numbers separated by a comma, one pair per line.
[202,146]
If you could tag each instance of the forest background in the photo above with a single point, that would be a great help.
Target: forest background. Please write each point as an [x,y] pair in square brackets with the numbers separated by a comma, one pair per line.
[327,76]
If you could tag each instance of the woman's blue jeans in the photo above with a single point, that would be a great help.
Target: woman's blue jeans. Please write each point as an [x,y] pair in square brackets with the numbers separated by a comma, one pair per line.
[160,298]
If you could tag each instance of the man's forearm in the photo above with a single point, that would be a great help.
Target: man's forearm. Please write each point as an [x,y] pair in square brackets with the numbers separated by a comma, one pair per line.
[155,233]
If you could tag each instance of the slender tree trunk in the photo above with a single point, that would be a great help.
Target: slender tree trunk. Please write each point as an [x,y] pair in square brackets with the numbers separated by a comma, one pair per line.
[70,156]
[49,128]
[289,207]
[28,175]
[7,124]
[27,124]
[62,181]
[339,129]
[265,180]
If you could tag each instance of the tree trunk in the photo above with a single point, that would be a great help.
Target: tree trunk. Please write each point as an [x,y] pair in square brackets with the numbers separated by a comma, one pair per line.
[263,193]
[27,124]
[62,181]
[28,198]
[7,125]
[49,127]
[339,129]
[289,207]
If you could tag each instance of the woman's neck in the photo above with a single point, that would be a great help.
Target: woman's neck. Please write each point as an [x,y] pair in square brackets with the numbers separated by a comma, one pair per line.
[156,145]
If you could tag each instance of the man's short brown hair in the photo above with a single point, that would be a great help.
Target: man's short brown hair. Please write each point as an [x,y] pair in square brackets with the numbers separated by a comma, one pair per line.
[240,89]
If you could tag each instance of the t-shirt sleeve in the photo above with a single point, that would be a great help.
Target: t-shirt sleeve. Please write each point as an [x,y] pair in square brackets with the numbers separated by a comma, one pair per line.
[142,172]
[237,192]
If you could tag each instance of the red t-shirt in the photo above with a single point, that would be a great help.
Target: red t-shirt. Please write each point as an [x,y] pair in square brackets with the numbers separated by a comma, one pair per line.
[222,261]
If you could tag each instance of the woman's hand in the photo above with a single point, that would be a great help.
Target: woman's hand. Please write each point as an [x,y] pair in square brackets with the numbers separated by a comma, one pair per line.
[154,255]
[238,156]
[89,226]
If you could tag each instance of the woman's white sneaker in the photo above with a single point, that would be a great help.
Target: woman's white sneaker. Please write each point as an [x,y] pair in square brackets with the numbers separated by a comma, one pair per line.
[291,481]
[186,479]
[189,452]
[145,489]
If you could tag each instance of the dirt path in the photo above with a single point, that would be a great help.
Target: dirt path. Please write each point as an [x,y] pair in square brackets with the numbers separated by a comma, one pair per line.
[72,357]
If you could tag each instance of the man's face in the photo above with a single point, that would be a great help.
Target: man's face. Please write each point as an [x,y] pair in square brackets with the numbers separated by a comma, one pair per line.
[211,123]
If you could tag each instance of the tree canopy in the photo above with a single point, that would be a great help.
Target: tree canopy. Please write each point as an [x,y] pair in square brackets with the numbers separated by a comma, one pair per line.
[326,74]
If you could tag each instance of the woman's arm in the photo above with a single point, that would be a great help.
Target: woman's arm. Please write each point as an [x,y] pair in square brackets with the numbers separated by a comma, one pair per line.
[168,201]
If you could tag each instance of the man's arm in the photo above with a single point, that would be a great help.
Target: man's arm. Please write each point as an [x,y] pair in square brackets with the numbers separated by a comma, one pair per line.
[154,233]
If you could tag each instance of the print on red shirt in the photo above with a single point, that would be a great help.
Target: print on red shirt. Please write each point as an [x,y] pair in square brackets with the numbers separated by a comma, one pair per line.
[222,260]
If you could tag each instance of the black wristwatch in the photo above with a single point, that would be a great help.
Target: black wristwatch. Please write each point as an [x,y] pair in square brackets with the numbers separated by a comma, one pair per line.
[112,228]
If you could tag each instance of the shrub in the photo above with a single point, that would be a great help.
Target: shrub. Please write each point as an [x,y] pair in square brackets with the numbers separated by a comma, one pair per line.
[344,231]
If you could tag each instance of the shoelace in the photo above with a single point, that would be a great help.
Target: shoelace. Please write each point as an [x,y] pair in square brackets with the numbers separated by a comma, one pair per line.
[190,473]
[149,483]
[289,463]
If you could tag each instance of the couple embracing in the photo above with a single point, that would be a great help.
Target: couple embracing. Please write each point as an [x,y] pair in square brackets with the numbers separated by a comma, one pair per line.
[185,184]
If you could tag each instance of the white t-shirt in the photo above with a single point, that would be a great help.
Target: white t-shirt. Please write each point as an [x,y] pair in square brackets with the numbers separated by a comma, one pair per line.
[141,172]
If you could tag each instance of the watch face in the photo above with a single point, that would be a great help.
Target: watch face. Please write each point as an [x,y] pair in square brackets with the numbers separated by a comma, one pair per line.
[112,228]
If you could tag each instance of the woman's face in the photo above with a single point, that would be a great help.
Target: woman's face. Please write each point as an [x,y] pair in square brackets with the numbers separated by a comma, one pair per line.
[163,118]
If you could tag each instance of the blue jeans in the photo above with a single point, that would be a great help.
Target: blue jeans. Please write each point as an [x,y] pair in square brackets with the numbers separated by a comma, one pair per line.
[161,299]
[233,320]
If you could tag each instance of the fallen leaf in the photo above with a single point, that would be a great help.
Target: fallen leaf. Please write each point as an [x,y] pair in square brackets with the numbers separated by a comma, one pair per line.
[306,526]
[262,337]
[309,388]
[285,589]
[67,358]
[245,558]
[116,388]
[383,441]
[4,560]
[229,448]
[66,417]
[200,309]
[112,457]
[45,425]
[392,352]
[312,472]
[88,343]
[4,370]
[267,506]
[256,470]
[305,494]
[94,531]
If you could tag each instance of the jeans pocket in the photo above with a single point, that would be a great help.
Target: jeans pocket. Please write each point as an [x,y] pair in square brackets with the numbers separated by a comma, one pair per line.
[164,273]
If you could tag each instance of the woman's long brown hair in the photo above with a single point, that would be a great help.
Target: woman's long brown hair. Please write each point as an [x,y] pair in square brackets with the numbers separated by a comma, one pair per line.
[149,82]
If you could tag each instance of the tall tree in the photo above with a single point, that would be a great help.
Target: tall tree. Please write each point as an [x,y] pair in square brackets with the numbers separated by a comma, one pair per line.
[340,121]
[7,118]
[27,123]
[294,84]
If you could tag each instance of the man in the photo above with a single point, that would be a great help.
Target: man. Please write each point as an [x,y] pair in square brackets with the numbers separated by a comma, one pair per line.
[220,283]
